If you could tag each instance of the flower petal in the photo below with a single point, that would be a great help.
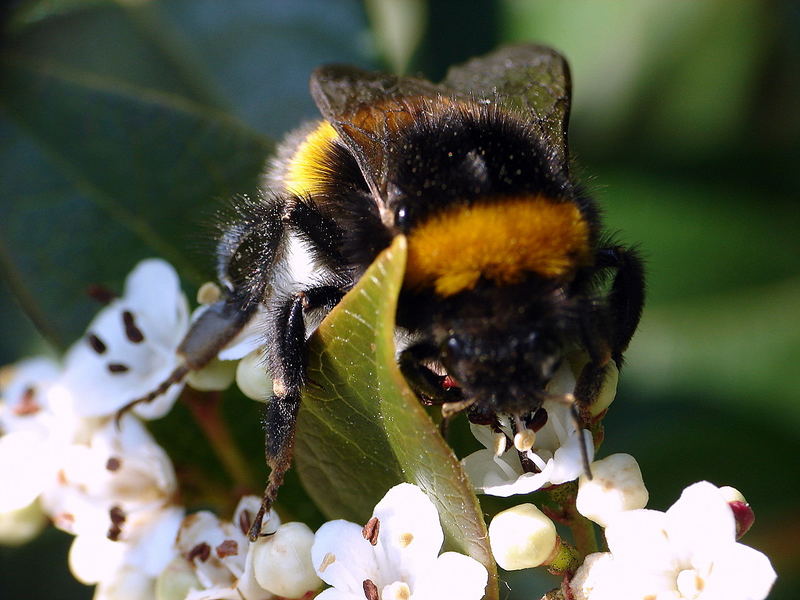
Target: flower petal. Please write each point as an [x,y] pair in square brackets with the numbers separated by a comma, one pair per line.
[343,558]
[700,523]
[410,533]
[741,573]
[639,538]
[452,575]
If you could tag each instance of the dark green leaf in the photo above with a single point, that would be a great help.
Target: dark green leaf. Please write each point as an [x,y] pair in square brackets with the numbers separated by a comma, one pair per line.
[361,429]
[107,173]
[122,131]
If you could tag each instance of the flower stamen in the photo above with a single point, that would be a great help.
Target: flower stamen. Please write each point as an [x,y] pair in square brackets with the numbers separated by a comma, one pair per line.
[370,590]
[371,530]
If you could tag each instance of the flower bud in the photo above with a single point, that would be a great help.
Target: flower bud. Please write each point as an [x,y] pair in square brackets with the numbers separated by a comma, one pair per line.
[174,582]
[251,377]
[282,562]
[742,513]
[215,376]
[21,525]
[522,537]
[208,293]
[616,485]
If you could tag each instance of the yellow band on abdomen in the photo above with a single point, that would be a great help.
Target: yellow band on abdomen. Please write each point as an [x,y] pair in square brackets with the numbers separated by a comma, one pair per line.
[500,240]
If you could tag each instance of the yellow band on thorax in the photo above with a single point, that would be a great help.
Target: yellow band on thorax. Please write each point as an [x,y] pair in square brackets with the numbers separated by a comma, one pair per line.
[308,169]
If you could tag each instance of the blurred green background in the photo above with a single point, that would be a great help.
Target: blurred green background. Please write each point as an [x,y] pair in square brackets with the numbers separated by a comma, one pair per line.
[123,126]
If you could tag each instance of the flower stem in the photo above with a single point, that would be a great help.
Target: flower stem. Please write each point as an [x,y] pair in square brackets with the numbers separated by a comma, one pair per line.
[205,408]
[583,530]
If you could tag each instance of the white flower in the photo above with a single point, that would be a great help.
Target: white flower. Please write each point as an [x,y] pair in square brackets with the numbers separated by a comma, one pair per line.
[115,494]
[616,485]
[120,468]
[130,346]
[25,405]
[556,453]
[37,418]
[396,556]
[690,552]
[221,554]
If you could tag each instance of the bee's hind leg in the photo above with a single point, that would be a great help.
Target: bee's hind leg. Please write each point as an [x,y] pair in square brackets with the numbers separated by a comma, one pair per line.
[288,365]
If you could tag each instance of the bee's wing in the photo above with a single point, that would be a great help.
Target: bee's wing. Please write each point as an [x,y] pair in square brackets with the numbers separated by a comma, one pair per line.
[528,79]
[354,101]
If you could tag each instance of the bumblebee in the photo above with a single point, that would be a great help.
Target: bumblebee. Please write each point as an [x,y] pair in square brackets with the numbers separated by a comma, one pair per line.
[508,268]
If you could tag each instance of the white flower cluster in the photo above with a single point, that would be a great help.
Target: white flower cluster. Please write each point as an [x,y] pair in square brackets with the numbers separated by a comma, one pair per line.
[688,553]
[65,457]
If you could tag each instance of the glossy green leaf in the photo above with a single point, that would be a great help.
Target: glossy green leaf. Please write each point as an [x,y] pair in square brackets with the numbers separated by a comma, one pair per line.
[362,430]
[125,126]
[118,172]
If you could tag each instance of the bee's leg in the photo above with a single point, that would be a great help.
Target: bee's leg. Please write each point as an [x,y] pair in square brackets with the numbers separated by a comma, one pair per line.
[288,364]
[423,380]
[626,299]
[606,333]
[209,334]
[246,251]
[429,386]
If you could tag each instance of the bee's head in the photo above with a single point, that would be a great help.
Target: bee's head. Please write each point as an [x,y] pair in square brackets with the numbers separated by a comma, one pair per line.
[506,370]
[503,352]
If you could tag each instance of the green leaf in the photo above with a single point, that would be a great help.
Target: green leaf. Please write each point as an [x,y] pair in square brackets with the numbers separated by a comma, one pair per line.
[125,126]
[361,429]
[98,175]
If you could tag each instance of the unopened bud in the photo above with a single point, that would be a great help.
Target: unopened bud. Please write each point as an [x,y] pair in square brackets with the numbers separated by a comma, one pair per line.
[21,525]
[616,485]
[742,513]
[731,494]
[209,293]
[175,581]
[215,376]
[282,562]
[252,378]
[522,537]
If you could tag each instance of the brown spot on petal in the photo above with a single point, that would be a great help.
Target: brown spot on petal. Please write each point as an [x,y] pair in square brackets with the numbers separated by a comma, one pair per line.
[27,404]
[117,515]
[117,368]
[370,590]
[133,333]
[406,539]
[113,464]
[114,533]
[371,530]
[227,548]
[202,551]
[96,343]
